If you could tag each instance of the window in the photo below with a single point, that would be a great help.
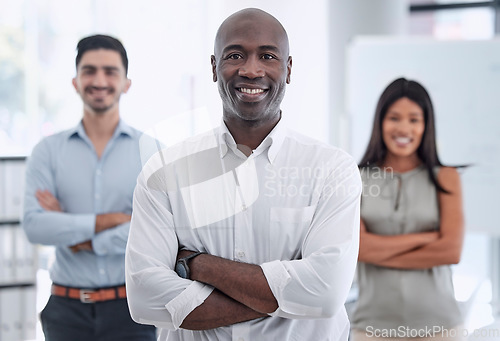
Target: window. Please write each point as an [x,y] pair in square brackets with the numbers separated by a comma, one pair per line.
[448,19]
[38,41]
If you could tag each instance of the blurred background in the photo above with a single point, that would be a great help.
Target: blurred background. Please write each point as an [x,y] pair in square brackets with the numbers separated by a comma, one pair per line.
[344,54]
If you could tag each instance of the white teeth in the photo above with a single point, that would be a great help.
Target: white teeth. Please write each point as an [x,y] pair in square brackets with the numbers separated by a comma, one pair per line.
[251,91]
[403,140]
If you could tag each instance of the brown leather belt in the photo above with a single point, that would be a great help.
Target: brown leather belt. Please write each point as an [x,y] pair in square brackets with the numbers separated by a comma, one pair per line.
[90,295]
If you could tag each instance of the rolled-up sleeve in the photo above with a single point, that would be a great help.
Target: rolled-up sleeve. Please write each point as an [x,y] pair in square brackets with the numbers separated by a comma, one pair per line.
[317,285]
[112,241]
[156,294]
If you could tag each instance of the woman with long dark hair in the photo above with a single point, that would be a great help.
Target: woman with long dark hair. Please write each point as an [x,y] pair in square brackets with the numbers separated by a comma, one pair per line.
[411,225]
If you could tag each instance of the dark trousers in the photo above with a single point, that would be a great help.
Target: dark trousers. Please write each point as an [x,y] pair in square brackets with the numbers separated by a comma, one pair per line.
[66,319]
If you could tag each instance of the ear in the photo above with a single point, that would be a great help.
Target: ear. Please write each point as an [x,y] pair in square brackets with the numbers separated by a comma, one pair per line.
[127,86]
[214,66]
[288,69]
[73,81]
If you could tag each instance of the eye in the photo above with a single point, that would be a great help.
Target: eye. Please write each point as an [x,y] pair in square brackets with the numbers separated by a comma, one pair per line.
[111,72]
[268,56]
[234,56]
[415,120]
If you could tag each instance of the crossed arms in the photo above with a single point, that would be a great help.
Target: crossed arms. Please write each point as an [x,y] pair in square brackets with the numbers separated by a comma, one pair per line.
[222,292]
[239,287]
[103,222]
[46,222]
[422,250]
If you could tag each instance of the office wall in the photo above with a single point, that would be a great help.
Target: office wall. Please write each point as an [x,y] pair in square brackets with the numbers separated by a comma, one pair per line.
[169,46]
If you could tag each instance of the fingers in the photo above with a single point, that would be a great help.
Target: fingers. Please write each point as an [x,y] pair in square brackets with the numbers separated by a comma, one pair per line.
[123,218]
[47,201]
[86,246]
[83,246]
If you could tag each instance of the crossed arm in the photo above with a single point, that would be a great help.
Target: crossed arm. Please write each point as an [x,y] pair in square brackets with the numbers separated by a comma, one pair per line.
[427,249]
[223,292]
[241,292]
[102,221]
[46,222]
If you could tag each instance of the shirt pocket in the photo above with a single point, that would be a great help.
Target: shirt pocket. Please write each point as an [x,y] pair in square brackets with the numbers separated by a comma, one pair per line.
[287,230]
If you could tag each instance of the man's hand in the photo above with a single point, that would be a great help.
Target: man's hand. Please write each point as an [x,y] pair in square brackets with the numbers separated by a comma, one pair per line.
[242,282]
[220,308]
[48,201]
[103,221]
[83,246]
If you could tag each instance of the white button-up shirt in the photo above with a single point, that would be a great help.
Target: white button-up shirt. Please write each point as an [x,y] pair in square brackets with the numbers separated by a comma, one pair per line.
[291,207]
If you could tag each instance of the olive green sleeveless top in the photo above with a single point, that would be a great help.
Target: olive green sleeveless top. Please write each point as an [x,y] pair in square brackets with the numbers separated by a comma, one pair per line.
[398,203]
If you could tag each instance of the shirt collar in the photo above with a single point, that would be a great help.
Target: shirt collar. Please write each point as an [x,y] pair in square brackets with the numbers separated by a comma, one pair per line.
[121,128]
[272,142]
[225,139]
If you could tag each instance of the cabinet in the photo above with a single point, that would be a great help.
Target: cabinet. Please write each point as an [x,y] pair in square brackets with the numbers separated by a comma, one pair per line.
[17,257]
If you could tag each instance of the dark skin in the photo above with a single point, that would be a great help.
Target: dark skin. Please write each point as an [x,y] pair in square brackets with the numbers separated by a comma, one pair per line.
[252,67]
[237,287]
[252,57]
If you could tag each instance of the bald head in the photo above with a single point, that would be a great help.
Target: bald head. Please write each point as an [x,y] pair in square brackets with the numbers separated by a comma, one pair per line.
[251,65]
[255,22]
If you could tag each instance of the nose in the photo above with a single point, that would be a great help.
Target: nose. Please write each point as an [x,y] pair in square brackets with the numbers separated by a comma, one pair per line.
[252,68]
[404,127]
[99,79]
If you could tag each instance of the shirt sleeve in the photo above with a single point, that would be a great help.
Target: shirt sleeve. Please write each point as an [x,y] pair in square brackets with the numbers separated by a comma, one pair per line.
[317,285]
[156,294]
[48,227]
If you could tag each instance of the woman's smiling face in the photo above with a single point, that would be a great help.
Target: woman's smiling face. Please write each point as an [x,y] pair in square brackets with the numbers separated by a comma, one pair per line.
[403,128]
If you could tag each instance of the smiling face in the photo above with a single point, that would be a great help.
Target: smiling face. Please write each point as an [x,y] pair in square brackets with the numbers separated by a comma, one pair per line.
[403,128]
[100,80]
[252,67]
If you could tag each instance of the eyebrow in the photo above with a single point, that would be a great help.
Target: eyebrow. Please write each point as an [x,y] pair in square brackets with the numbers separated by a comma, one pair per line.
[411,113]
[240,47]
[107,68]
[269,48]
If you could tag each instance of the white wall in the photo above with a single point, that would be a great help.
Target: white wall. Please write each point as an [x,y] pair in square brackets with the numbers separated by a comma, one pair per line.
[348,19]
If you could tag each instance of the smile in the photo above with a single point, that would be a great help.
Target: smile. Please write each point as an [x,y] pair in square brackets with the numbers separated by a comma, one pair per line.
[403,140]
[251,91]
[98,91]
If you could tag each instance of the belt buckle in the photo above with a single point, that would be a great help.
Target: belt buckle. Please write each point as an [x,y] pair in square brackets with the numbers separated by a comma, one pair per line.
[85,295]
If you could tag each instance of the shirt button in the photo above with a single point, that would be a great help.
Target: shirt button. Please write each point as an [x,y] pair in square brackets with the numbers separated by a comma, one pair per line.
[241,254]
[241,339]
[102,272]
[97,196]
[98,172]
